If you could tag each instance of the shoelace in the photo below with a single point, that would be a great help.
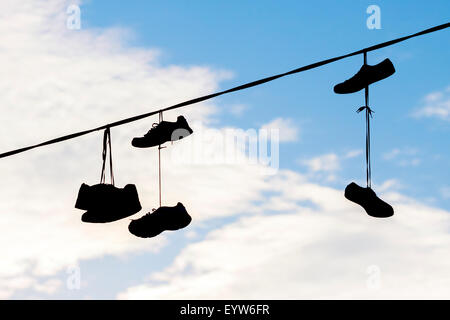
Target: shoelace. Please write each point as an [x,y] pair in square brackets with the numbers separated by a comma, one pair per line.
[154,126]
[106,144]
[149,213]
[368,164]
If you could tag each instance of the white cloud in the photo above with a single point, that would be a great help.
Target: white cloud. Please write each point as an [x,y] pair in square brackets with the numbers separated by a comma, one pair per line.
[445,192]
[49,287]
[323,252]
[410,162]
[238,109]
[353,154]
[59,81]
[324,163]
[191,234]
[10,285]
[436,104]
[288,131]
[404,157]
[389,185]
[391,154]
[325,167]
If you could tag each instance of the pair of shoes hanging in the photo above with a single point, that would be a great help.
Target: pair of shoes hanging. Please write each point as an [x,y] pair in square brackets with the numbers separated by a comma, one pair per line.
[105,202]
[162,219]
[366,76]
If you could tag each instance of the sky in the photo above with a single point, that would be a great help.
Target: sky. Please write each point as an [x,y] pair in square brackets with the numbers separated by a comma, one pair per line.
[261,230]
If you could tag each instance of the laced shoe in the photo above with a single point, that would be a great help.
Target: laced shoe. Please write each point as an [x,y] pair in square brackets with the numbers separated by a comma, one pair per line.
[162,219]
[365,76]
[367,199]
[107,203]
[163,132]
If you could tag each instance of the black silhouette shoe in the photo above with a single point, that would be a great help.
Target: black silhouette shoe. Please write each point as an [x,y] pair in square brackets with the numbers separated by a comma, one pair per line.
[367,199]
[162,219]
[107,203]
[163,132]
[366,76]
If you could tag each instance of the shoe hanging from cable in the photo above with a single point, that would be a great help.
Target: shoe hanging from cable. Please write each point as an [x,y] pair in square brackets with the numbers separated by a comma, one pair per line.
[105,202]
[368,199]
[161,219]
[163,132]
[366,76]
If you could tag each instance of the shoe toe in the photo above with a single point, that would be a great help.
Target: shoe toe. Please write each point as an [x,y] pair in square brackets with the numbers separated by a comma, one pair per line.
[133,228]
[338,88]
[85,217]
[143,231]
[90,218]
[386,211]
[136,142]
[378,208]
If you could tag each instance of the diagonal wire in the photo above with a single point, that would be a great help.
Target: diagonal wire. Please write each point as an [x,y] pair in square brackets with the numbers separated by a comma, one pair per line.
[238,88]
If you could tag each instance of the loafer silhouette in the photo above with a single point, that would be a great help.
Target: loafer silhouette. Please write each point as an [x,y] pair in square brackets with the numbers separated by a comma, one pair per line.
[107,203]
[163,132]
[365,76]
[162,219]
[367,199]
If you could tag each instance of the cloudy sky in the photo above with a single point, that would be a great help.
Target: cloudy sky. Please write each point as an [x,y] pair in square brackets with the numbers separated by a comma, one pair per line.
[275,228]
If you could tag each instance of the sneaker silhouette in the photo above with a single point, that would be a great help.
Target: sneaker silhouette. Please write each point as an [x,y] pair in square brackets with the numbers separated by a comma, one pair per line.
[162,219]
[366,76]
[367,199]
[107,203]
[163,132]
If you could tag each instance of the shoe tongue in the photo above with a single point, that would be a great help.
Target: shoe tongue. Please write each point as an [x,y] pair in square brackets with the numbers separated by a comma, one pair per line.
[364,67]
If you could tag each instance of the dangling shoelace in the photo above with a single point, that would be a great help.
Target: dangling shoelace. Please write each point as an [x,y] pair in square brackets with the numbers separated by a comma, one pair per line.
[368,165]
[106,144]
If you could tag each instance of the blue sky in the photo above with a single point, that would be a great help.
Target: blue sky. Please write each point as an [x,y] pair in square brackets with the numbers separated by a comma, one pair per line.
[254,40]
[248,40]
